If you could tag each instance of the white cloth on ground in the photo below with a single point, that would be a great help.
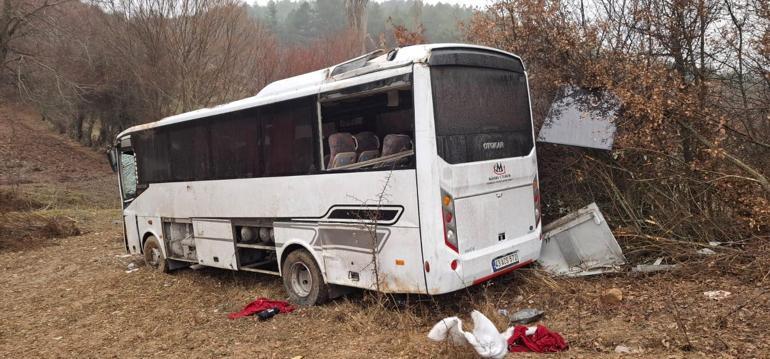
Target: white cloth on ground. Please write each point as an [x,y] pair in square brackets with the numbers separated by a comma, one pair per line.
[485,339]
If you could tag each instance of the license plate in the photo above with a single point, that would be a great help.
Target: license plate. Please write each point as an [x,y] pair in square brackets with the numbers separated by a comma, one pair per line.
[505,261]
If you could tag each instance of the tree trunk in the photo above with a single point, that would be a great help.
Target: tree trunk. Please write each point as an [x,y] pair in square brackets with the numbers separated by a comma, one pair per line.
[357,21]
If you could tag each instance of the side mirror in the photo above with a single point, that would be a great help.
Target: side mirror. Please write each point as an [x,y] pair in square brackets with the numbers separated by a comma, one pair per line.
[112,157]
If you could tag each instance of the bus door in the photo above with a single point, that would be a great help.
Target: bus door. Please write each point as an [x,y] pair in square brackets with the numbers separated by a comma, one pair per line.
[126,166]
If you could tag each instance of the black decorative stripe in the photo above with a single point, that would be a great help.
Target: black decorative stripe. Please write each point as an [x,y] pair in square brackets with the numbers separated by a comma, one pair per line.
[385,215]
[346,213]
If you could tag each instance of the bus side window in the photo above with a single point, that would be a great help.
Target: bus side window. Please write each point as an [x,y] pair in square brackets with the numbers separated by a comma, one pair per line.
[128,177]
[289,140]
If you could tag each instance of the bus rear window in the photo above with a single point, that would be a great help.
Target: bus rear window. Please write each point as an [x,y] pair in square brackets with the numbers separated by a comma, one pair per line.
[480,113]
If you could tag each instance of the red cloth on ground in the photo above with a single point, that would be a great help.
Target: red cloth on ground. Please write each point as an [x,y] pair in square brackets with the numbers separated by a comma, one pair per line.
[543,341]
[261,304]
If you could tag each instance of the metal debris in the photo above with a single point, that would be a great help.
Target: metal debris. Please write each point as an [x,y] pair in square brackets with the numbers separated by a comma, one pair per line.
[580,244]
[651,268]
[657,266]
[579,117]
[525,316]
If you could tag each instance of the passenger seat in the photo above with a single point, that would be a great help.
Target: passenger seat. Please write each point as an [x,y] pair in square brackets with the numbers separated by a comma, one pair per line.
[393,144]
[368,146]
[342,148]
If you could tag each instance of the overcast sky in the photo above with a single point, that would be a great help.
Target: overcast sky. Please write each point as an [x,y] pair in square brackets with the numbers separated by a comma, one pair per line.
[474,3]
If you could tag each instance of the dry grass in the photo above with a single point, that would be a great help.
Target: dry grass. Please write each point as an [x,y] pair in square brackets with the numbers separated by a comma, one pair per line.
[76,299]
[12,200]
[23,223]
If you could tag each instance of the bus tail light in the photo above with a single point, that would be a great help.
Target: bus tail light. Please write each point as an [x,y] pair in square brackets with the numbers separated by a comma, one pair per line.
[536,193]
[448,218]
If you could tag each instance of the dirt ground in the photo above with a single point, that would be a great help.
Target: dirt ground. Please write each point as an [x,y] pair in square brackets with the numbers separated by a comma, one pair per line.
[72,296]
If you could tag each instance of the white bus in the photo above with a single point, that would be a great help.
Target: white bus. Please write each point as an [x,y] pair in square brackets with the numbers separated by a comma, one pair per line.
[407,171]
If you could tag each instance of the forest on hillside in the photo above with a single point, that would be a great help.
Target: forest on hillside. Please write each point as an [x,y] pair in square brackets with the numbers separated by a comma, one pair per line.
[94,68]
[690,163]
[303,22]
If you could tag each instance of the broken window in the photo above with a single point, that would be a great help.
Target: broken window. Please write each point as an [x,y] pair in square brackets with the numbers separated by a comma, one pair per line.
[128,175]
[370,126]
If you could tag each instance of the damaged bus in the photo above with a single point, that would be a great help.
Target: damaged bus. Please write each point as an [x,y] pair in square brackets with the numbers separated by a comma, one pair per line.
[405,171]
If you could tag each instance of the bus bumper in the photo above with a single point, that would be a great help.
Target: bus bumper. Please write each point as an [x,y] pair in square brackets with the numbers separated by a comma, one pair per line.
[477,267]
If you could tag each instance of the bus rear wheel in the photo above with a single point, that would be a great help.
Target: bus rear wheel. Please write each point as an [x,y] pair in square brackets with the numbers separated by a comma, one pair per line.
[303,280]
[153,255]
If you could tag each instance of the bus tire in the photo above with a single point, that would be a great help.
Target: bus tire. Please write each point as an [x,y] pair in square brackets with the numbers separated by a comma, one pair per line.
[303,280]
[153,255]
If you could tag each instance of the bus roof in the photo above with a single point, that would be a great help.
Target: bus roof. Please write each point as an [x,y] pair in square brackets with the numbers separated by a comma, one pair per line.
[310,83]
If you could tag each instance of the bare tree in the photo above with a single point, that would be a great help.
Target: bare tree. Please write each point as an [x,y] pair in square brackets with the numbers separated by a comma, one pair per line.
[18,19]
[356,12]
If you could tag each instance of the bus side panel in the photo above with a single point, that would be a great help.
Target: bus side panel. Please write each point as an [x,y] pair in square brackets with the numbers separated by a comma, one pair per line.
[133,242]
[400,263]
[392,263]
[440,278]
[305,206]
[348,253]
[344,252]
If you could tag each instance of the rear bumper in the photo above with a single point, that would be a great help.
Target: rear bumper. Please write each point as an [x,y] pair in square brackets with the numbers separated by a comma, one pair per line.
[476,267]
[502,272]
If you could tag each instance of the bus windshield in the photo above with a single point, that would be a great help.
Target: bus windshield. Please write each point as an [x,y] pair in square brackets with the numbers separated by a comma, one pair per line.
[480,113]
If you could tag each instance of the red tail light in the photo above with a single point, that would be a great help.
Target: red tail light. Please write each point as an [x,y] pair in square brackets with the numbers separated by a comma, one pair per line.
[450,227]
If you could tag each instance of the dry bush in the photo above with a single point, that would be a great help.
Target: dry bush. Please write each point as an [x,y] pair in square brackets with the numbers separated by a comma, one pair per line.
[12,201]
[22,226]
[19,223]
[689,165]
[319,54]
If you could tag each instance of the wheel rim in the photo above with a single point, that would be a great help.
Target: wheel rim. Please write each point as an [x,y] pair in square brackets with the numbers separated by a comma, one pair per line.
[301,280]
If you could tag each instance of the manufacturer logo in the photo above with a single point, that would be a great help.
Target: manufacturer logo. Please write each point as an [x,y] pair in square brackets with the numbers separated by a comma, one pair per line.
[501,236]
[498,169]
[493,145]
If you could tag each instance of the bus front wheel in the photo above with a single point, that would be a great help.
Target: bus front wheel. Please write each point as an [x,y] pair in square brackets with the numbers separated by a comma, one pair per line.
[303,280]
[153,255]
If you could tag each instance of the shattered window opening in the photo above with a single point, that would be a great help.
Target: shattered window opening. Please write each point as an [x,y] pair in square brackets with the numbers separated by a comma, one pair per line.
[128,177]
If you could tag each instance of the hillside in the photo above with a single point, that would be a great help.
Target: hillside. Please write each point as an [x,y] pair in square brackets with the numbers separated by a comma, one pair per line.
[67,293]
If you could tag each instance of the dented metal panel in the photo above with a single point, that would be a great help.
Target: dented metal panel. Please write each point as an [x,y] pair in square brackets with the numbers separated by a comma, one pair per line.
[580,244]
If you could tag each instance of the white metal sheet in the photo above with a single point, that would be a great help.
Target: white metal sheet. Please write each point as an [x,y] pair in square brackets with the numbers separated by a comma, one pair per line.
[213,229]
[579,117]
[216,253]
[580,244]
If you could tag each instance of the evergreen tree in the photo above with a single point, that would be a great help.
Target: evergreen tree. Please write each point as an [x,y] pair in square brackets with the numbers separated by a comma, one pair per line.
[272,15]
[301,24]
